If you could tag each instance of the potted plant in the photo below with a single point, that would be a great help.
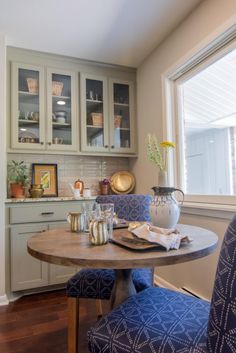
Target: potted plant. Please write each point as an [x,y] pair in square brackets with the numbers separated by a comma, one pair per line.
[17,177]
[105,186]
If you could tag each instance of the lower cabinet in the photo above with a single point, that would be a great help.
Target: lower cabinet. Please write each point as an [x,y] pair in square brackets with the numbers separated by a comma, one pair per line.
[26,271]
[60,274]
[25,220]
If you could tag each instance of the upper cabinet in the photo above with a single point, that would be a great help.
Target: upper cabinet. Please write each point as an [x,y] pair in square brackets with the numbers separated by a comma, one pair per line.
[94,114]
[121,114]
[27,110]
[107,115]
[62,119]
[36,125]
[55,107]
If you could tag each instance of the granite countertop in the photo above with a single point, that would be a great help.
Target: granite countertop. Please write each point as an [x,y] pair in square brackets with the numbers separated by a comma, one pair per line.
[43,199]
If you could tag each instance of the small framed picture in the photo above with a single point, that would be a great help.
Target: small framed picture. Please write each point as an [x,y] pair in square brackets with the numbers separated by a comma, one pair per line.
[46,174]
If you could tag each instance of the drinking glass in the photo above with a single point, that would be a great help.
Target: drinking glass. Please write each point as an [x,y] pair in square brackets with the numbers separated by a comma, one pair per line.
[91,211]
[107,213]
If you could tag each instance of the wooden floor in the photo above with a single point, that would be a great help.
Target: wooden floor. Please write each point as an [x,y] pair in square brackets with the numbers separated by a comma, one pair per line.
[38,324]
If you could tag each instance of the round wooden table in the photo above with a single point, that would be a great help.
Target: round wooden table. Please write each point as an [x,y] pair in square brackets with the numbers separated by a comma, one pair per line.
[62,247]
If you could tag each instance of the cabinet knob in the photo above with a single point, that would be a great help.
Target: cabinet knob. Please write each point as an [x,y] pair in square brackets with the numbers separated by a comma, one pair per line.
[112,146]
[49,143]
[41,143]
[106,146]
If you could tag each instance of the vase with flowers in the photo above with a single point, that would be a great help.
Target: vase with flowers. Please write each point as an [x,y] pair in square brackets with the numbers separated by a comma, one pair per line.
[157,154]
[164,209]
[104,186]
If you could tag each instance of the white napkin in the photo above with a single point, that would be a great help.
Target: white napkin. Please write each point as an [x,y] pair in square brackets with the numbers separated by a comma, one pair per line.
[168,238]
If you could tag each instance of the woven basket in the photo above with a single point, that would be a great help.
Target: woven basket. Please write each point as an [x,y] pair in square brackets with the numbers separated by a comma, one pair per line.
[117,121]
[33,85]
[57,88]
[97,119]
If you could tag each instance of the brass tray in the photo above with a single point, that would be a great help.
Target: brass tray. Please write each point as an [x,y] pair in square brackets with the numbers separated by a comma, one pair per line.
[122,182]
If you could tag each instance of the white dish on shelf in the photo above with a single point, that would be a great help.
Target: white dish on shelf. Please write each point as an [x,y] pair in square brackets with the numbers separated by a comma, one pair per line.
[28,137]
[61,120]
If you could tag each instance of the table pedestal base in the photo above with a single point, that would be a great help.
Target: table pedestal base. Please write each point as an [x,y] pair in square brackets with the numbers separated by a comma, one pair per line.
[123,287]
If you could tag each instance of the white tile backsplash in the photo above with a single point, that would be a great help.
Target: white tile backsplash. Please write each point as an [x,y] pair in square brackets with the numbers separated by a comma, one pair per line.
[89,168]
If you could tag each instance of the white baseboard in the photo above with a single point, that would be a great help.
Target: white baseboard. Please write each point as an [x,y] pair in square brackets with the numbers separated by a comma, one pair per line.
[4,300]
[160,282]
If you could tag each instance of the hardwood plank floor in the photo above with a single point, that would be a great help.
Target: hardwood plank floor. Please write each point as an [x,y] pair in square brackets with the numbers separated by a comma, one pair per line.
[38,323]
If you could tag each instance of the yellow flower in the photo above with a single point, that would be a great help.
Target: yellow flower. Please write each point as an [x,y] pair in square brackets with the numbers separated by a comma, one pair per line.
[167,144]
[157,152]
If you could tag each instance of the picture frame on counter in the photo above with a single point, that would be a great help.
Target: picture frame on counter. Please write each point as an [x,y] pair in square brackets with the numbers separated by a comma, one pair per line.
[46,175]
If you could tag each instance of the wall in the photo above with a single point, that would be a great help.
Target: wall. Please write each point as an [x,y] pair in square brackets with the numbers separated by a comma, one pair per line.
[90,169]
[188,38]
[3,299]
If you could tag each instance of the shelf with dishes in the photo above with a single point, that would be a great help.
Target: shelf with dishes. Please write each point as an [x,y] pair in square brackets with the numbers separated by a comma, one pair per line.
[122,128]
[25,96]
[121,104]
[61,97]
[27,93]
[94,101]
[28,137]
[28,122]
[61,125]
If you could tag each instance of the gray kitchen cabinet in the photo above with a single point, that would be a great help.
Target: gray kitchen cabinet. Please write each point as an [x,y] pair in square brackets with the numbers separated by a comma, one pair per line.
[26,219]
[36,125]
[69,106]
[107,115]
[60,274]
[26,271]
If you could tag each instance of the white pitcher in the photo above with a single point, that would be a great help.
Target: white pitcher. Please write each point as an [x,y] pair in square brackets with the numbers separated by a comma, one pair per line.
[164,209]
[76,192]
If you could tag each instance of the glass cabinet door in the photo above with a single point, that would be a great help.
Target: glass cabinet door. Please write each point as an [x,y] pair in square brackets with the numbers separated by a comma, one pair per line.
[94,107]
[121,116]
[27,107]
[61,118]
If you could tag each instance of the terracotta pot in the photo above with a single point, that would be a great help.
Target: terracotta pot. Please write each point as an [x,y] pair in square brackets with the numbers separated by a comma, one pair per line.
[17,190]
[104,189]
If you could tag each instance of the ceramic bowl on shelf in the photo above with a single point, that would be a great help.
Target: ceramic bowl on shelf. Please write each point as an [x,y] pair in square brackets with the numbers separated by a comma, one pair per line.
[60,113]
[61,120]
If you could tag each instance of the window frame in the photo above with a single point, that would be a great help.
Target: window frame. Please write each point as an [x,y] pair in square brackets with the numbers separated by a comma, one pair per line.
[173,127]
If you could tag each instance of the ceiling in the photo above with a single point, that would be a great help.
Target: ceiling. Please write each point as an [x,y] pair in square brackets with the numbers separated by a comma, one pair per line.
[121,32]
[209,97]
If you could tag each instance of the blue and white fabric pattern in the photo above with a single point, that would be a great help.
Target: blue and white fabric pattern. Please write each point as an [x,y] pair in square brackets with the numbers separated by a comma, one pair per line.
[131,207]
[98,283]
[162,321]
[155,320]
[222,321]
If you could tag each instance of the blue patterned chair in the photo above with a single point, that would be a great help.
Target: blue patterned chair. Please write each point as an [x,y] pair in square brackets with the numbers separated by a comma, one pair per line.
[163,321]
[98,283]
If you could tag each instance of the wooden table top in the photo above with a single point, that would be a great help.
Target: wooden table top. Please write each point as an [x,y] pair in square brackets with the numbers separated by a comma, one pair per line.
[62,247]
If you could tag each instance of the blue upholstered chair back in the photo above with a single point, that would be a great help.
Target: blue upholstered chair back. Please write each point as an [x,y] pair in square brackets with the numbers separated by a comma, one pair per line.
[131,207]
[222,319]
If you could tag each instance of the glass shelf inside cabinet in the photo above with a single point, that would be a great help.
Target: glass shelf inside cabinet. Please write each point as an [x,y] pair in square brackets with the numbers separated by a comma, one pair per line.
[61,109]
[28,106]
[121,116]
[94,113]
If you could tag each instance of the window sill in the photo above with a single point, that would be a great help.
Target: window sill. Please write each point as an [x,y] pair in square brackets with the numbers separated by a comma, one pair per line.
[209,210]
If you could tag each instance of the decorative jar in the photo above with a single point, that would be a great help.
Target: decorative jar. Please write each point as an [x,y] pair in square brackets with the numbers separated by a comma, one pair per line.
[164,209]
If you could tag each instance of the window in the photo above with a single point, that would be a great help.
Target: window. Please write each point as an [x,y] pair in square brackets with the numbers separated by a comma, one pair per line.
[206,128]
